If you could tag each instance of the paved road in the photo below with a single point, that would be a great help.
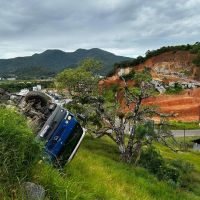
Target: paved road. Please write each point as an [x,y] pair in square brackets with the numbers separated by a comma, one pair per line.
[180,133]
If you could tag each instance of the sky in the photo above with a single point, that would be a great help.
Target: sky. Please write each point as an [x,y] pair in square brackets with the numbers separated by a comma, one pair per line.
[123,27]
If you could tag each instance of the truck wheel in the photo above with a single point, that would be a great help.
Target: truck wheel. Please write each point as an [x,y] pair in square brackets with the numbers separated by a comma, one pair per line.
[37,97]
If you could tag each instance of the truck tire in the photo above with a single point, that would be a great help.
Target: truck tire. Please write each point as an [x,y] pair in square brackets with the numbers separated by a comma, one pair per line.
[38,96]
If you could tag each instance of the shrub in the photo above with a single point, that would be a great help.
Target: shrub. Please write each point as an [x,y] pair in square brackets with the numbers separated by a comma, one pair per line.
[18,150]
[109,94]
[185,169]
[152,160]
[197,60]
[174,90]
[176,172]
[129,76]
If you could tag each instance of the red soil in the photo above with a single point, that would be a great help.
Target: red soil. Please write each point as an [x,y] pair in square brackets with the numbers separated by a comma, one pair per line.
[186,106]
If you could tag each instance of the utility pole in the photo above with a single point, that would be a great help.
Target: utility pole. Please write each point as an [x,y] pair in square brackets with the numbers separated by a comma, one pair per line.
[184,140]
[199,116]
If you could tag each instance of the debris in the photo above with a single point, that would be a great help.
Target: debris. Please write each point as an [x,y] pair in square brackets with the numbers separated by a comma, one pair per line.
[158,85]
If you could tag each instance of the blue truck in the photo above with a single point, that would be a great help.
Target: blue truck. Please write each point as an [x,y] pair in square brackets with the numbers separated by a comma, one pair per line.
[63,135]
[60,131]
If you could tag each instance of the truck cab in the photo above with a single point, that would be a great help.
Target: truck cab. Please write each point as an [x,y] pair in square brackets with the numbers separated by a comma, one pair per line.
[63,135]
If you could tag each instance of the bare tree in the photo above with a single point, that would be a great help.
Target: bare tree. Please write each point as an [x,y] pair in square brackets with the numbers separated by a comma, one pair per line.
[142,131]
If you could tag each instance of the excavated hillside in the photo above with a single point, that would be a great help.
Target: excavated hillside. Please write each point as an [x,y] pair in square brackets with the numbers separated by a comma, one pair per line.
[169,65]
[185,107]
[172,66]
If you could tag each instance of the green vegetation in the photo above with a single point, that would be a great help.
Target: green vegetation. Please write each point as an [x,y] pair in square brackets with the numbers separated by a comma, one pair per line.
[30,72]
[16,86]
[129,76]
[179,125]
[176,172]
[82,80]
[186,143]
[51,62]
[109,94]
[18,150]
[96,172]
[177,89]
[150,171]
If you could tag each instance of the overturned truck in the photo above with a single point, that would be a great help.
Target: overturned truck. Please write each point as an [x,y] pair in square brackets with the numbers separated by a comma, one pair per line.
[57,127]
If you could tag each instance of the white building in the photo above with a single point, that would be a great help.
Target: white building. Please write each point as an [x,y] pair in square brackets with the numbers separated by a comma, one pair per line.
[37,88]
[11,79]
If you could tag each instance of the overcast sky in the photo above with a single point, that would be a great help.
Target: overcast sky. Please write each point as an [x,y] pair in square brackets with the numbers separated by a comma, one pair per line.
[124,27]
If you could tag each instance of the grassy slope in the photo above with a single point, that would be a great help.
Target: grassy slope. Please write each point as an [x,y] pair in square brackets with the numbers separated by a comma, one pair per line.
[178,125]
[96,173]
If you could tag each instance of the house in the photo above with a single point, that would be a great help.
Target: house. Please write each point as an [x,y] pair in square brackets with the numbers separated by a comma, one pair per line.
[37,88]
[11,79]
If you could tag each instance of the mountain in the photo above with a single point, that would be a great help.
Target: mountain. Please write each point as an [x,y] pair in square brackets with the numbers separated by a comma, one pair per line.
[53,61]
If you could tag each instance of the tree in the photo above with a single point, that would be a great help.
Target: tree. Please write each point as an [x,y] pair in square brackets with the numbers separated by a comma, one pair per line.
[91,65]
[82,84]
[142,132]
[103,115]
[81,81]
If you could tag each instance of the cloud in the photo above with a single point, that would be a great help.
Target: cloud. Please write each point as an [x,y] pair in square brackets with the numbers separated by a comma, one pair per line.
[124,27]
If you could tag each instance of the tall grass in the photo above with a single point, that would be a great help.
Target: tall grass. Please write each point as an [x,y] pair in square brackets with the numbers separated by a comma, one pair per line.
[18,151]
[97,173]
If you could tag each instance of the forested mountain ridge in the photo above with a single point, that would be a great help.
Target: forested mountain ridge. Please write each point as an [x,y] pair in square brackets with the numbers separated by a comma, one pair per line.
[52,61]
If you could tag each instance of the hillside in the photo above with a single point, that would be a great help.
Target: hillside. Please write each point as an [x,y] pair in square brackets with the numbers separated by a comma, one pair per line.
[52,61]
[96,173]
[170,60]
[185,106]
[173,65]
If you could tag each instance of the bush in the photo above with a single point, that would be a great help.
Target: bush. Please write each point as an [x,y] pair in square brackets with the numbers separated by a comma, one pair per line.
[176,172]
[18,150]
[152,161]
[109,93]
[174,90]
[197,60]
[129,76]
[185,169]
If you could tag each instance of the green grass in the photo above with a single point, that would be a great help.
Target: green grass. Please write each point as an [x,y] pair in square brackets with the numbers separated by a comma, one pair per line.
[179,125]
[96,173]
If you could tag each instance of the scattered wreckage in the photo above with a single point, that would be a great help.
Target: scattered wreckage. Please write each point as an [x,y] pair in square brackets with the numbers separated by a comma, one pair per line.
[53,124]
